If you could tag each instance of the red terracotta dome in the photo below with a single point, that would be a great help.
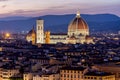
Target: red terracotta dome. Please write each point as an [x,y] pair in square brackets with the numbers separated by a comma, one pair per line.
[78,25]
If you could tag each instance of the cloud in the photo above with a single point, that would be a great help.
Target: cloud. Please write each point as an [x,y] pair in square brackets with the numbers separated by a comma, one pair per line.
[3,6]
[21,12]
[3,0]
[64,9]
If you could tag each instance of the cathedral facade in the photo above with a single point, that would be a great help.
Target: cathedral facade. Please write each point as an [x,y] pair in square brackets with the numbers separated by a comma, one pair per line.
[78,32]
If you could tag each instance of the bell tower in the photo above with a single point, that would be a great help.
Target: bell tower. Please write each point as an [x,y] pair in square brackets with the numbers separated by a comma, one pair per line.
[40,31]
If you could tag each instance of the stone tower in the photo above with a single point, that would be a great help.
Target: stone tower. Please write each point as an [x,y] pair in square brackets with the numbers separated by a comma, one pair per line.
[40,31]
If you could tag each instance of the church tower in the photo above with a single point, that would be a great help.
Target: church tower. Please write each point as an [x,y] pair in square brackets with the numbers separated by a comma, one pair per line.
[40,31]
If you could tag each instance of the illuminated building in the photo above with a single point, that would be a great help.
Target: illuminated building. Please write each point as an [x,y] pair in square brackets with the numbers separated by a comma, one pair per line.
[111,68]
[47,37]
[99,76]
[78,27]
[57,38]
[40,31]
[78,32]
[72,73]
[50,76]
[6,74]
[28,76]
[80,73]
[31,36]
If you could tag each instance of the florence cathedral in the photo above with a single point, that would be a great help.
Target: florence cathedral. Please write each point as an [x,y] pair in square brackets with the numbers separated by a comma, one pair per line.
[78,32]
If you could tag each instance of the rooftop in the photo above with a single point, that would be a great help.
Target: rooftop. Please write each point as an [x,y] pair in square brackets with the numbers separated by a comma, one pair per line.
[58,33]
[74,68]
[98,73]
[111,64]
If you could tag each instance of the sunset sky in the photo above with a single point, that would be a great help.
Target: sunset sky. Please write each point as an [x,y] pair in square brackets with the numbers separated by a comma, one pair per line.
[45,7]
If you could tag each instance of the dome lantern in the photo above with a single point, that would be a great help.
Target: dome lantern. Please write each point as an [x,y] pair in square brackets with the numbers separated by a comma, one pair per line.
[78,14]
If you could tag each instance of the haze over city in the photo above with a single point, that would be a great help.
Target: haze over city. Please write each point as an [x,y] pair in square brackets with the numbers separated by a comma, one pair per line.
[45,7]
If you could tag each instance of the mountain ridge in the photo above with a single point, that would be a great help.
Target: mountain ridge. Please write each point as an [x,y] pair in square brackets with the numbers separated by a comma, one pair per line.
[59,23]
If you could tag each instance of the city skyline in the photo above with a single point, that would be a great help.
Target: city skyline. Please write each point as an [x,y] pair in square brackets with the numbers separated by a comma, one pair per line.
[38,8]
[45,40]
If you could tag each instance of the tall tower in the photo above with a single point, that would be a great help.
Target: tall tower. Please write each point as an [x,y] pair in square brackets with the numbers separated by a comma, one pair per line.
[40,31]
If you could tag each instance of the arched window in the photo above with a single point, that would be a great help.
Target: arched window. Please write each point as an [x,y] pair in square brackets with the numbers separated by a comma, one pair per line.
[38,27]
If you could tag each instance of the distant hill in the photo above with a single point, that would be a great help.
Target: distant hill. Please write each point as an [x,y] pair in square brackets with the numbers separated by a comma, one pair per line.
[59,23]
[14,18]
